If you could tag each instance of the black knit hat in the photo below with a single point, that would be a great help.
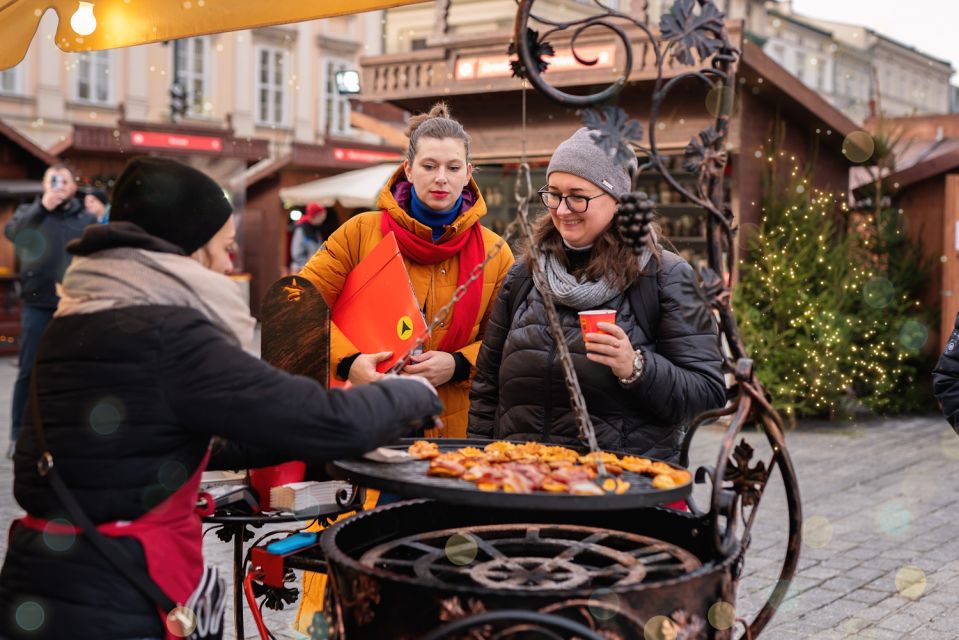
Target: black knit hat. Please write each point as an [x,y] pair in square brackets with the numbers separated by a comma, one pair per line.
[170,200]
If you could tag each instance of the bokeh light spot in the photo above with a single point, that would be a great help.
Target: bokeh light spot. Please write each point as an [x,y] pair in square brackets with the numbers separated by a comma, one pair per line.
[910,582]
[106,416]
[894,519]
[461,549]
[181,621]
[817,532]
[913,335]
[919,485]
[722,615]
[659,628]
[172,475]
[878,292]
[56,537]
[858,146]
[30,616]
[31,245]
[604,604]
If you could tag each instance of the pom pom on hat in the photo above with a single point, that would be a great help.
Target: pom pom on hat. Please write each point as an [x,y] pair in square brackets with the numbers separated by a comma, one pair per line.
[170,200]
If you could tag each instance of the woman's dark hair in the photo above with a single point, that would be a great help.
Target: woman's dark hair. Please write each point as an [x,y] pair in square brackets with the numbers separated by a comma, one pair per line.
[435,124]
[611,257]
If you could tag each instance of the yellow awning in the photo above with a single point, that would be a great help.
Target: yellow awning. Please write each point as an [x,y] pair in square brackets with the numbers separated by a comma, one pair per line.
[124,23]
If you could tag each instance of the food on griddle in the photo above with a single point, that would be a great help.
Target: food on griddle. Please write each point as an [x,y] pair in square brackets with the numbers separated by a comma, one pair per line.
[532,466]
[424,450]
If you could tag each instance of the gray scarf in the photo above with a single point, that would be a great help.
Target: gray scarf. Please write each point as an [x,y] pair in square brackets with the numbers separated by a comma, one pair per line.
[126,277]
[569,291]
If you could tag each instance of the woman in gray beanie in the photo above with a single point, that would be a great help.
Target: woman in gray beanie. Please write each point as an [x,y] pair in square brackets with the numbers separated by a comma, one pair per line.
[643,377]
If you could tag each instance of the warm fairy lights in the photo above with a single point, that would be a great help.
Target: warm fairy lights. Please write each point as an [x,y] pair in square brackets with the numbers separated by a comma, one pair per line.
[825,331]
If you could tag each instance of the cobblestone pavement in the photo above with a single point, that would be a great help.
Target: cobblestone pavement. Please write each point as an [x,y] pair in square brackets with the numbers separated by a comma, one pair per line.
[880,501]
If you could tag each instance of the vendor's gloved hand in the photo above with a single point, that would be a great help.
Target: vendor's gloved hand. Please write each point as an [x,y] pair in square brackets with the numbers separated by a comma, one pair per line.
[431,422]
[421,380]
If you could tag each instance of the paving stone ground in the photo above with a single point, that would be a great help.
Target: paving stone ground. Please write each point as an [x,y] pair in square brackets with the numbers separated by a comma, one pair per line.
[881,503]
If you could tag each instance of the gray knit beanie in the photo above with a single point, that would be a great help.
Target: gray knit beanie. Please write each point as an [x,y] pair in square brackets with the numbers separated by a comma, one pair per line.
[581,156]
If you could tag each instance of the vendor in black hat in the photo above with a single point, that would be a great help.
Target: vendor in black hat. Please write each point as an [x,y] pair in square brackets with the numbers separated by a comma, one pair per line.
[141,366]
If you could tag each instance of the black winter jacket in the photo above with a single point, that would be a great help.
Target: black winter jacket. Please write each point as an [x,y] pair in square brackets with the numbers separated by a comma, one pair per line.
[41,237]
[945,379]
[518,392]
[169,380]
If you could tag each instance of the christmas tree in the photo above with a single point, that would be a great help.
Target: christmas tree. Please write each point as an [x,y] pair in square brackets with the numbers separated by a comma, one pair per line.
[814,301]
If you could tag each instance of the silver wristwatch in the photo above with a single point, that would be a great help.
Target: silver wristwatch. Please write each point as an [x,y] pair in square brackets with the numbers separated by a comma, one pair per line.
[638,363]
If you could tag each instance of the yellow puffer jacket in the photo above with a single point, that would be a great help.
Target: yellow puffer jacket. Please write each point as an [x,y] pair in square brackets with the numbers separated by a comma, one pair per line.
[434,285]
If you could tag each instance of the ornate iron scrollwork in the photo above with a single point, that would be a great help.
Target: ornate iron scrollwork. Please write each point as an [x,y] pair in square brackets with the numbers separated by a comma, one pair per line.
[692,32]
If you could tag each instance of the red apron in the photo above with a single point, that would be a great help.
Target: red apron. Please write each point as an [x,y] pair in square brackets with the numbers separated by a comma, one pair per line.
[171,535]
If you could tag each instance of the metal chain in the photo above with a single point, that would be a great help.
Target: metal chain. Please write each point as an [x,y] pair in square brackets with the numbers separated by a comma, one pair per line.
[578,403]
[444,311]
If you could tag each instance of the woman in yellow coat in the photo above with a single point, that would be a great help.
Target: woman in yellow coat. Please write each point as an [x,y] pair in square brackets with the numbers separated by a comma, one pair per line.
[434,208]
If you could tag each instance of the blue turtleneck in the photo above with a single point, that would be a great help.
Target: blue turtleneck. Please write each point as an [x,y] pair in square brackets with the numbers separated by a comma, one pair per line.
[435,220]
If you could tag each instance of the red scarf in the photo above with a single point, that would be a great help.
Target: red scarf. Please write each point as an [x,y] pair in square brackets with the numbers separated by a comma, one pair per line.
[471,250]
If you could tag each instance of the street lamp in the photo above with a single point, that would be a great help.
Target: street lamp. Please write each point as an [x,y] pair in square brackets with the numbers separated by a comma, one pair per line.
[347,82]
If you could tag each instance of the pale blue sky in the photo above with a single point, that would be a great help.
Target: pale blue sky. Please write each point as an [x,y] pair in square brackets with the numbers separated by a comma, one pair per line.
[927,25]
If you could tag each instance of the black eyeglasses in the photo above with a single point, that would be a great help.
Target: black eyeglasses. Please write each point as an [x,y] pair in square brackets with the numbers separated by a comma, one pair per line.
[575,203]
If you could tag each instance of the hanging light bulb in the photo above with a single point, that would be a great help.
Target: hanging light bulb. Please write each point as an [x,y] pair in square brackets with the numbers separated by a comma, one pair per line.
[83,20]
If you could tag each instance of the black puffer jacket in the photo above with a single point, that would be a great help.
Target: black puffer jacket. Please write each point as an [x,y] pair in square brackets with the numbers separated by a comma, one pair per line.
[130,399]
[945,378]
[41,238]
[519,394]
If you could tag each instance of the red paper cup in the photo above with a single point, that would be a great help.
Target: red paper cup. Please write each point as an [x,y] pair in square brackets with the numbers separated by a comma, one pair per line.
[265,478]
[589,319]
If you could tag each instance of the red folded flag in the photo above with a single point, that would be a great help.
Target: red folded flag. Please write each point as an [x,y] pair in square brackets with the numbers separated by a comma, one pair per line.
[377,308]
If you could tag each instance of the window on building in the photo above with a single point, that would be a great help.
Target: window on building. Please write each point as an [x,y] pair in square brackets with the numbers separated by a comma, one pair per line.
[93,81]
[271,73]
[801,66]
[336,107]
[10,80]
[191,66]
[779,53]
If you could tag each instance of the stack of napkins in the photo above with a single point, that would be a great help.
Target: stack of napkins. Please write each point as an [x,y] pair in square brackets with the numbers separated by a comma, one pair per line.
[302,496]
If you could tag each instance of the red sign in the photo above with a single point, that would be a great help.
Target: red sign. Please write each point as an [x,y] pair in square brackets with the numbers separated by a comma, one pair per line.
[363,155]
[477,67]
[175,141]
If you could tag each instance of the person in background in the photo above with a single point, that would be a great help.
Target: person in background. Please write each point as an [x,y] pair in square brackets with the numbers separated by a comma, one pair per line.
[307,238]
[434,208]
[40,232]
[643,377]
[141,368]
[97,202]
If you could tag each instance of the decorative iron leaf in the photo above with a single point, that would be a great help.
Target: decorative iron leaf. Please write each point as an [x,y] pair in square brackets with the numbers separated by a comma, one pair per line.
[276,597]
[537,49]
[704,154]
[747,481]
[612,130]
[687,31]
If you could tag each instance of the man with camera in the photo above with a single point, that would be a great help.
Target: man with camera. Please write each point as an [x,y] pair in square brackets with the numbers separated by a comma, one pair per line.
[40,232]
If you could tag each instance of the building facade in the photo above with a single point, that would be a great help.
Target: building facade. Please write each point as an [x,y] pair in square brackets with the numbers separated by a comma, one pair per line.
[231,104]
[857,69]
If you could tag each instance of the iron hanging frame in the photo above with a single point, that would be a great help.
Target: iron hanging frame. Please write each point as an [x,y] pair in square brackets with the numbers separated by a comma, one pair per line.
[737,484]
